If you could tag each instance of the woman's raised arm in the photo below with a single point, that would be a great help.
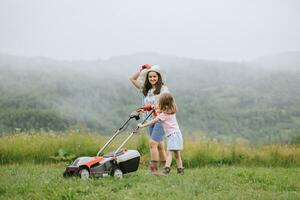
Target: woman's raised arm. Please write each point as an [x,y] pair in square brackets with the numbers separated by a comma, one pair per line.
[134,79]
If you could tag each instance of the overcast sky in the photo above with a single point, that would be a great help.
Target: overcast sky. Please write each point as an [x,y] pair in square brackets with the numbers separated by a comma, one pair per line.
[99,29]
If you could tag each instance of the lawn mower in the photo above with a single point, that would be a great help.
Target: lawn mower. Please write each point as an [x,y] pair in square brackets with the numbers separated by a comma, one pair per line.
[116,163]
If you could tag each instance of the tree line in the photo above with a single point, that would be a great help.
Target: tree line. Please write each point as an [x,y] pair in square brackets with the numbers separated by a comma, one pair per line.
[218,99]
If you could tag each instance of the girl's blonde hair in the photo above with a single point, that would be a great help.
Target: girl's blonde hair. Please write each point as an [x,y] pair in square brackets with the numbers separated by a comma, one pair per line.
[166,103]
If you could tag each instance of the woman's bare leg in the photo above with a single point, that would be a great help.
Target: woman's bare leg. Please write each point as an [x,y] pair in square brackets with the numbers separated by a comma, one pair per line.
[154,155]
[162,153]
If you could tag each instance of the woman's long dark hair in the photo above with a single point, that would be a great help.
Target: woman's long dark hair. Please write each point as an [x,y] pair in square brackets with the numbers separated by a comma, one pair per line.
[147,85]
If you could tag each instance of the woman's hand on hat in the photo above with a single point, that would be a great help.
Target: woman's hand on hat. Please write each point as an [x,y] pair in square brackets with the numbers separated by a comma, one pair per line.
[145,66]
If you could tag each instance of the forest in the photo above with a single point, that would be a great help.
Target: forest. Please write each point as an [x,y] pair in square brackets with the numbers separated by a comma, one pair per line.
[256,102]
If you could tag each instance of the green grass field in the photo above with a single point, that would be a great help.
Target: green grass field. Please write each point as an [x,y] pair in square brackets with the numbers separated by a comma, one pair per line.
[31,181]
[31,167]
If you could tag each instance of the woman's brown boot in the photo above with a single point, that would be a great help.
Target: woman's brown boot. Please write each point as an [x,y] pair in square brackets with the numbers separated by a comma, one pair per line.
[153,167]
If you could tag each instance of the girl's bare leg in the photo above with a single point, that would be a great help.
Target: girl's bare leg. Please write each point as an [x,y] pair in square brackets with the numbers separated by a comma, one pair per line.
[178,159]
[169,159]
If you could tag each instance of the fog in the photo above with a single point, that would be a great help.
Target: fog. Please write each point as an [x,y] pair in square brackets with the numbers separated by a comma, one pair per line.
[233,66]
[229,30]
[253,99]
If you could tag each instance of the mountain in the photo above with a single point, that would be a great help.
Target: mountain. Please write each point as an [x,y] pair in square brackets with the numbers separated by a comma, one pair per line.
[257,100]
[280,61]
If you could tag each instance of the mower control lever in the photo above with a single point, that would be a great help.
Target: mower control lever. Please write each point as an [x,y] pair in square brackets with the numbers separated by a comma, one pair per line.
[135,114]
[146,107]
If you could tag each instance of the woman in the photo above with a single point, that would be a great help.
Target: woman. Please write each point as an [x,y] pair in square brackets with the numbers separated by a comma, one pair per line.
[150,81]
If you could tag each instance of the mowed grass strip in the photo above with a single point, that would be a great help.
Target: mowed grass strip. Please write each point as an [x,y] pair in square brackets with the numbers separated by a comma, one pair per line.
[30,181]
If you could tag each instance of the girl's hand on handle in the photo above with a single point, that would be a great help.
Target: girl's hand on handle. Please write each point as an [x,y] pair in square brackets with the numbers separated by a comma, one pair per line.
[136,130]
[140,126]
[155,107]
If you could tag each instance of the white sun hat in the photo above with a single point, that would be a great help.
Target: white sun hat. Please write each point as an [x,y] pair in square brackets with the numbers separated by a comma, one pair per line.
[154,68]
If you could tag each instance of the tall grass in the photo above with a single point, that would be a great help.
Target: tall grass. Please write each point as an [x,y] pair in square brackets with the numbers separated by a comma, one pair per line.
[199,153]
[43,147]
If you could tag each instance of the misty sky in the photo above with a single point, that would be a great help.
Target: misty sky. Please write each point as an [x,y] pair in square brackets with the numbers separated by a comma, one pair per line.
[99,29]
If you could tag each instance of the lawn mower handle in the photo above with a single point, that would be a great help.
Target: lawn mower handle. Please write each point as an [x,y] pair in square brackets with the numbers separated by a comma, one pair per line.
[116,134]
[134,114]
[134,130]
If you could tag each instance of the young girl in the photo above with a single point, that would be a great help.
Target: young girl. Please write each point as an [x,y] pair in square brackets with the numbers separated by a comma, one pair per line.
[167,116]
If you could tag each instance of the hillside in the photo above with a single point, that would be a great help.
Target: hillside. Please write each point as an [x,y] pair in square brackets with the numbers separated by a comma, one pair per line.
[258,101]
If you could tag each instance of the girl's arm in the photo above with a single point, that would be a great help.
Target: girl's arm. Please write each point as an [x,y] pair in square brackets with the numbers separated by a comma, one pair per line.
[134,79]
[149,123]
